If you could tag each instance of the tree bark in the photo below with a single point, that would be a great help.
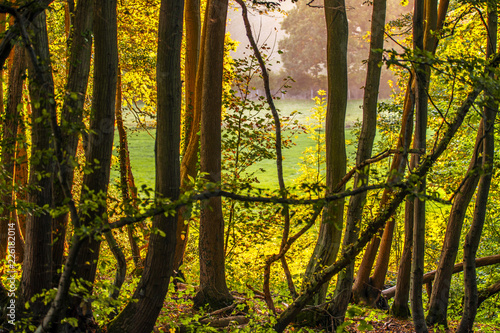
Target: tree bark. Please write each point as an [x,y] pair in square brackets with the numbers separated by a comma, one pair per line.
[330,233]
[343,290]
[125,170]
[100,142]
[213,288]
[72,114]
[474,235]
[419,143]
[37,265]
[438,303]
[364,285]
[141,313]
[9,140]
[400,306]
[193,69]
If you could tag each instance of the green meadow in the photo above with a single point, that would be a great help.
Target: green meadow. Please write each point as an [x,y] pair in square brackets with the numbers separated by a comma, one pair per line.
[141,146]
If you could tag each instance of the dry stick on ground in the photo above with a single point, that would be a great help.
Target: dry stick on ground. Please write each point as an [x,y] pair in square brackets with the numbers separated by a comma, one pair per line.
[279,162]
[429,277]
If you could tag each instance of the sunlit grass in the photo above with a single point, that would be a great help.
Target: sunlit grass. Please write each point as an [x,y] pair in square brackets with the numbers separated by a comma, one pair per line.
[141,146]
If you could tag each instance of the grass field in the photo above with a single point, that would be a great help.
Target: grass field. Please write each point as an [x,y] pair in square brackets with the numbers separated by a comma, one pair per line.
[141,145]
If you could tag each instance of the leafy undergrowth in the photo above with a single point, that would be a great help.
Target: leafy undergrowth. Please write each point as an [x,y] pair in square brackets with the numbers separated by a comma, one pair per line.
[249,313]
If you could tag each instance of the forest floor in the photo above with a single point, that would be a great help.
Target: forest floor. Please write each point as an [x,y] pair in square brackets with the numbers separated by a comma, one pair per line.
[250,314]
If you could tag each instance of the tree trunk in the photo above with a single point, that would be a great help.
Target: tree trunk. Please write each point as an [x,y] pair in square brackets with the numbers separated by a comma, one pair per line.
[193,69]
[141,313]
[123,155]
[364,285]
[37,265]
[72,114]
[474,235]
[419,143]
[400,307]
[343,290]
[330,233]
[363,291]
[438,303]
[100,142]
[213,288]
[9,139]
[21,172]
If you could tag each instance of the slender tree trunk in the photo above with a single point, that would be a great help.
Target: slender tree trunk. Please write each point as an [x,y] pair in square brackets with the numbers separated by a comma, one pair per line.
[37,265]
[343,290]
[213,288]
[72,114]
[366,289]
[9,139]
[101,128]
[400,308]
[474,235]
[419,143]
[141,313]
[3,18]
[125,170]
[21,173]
[438,304]
[363,291]
[330,233]
[193,69]
[279,164]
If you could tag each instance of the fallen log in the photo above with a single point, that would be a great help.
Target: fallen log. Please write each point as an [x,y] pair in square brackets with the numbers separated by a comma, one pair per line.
[429,277]
[489,291]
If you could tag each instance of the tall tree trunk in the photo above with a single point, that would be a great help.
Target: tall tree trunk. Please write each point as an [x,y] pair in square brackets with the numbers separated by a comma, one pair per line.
[72,114]
[419,143]
[343,289]
[21,179]
[37,265]
[193,69]
[3,18]
[125,170]
[438,304]
[9,139]
[400,308]
[213,288]
[363,291]
[101,128]
[366,289]
[141,313]
[328,242]
[474,235]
